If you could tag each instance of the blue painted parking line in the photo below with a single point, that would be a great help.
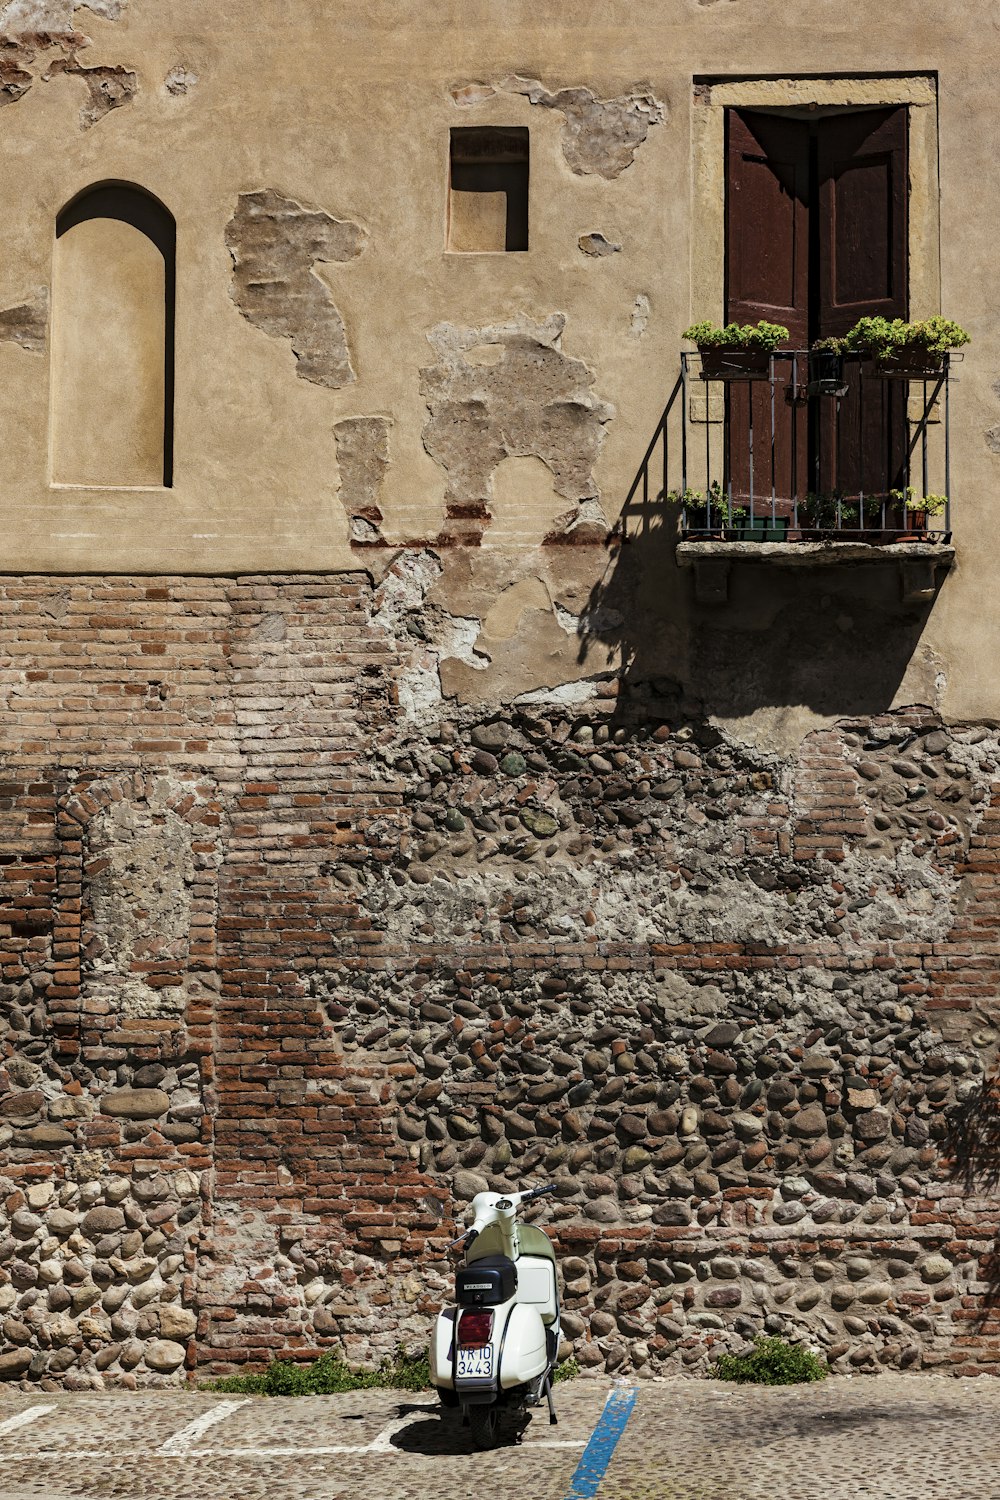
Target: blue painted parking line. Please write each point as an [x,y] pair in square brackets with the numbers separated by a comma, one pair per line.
[603,1440]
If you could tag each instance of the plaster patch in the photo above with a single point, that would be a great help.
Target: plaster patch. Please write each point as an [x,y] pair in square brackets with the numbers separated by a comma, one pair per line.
[467,94]
[992,437]
[599,621]
[598,244]
[31,18]
[566,694]
[505,614]
[530,401]
[51,18]
[14,82]
[180,81]
[600,136]
[111,10]
[639,321]
[26,324]
[363,460]
[140,867]
[400,608]
[274,243]
[107,88]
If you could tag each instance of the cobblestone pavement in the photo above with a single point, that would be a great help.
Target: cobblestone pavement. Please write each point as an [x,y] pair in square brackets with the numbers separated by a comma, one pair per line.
[891,1437]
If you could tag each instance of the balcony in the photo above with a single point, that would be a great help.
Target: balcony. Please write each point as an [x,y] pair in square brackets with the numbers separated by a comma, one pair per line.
[803,459]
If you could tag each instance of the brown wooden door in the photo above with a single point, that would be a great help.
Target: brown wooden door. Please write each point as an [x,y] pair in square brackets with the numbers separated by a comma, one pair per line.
[861,266]
[768,207]
[816,221]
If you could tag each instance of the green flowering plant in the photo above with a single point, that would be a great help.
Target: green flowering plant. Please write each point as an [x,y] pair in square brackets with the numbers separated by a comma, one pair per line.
[887,339]
[931,505]
[758,336]
[697,499]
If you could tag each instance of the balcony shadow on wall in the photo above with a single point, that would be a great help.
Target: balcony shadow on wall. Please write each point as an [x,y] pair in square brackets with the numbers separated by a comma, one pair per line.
[972,1148]
[834,639]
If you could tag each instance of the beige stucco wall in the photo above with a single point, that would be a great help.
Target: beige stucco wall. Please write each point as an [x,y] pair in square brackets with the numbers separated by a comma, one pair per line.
[347,111]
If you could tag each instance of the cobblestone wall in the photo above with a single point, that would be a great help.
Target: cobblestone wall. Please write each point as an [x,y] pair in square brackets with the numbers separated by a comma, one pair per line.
[286,975]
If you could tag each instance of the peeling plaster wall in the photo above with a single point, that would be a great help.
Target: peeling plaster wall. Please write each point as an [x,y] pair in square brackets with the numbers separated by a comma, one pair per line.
[502,855]
[509,390]
[314,254]
[600,135]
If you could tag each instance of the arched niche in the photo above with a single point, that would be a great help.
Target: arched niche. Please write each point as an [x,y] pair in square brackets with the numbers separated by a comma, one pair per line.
[112,339]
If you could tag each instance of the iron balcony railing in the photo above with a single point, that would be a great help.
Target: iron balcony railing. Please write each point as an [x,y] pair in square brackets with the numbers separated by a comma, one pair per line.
[802,446]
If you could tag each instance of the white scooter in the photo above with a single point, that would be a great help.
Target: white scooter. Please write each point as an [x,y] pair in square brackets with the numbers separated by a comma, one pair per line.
[496,1350]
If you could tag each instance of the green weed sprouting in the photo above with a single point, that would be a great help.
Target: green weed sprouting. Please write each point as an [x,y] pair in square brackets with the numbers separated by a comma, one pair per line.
[771,1362]
[328,1375]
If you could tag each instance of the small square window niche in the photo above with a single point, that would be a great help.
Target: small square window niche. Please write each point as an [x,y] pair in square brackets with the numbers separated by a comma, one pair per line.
[488,201]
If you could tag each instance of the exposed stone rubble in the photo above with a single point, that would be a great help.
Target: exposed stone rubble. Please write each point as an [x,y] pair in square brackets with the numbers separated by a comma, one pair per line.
[741,1148]
[284,1021]
[274,243]
[97,1279]
[27,324]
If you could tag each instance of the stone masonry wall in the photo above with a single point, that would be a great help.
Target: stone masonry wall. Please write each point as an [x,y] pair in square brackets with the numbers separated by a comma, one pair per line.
[287,974]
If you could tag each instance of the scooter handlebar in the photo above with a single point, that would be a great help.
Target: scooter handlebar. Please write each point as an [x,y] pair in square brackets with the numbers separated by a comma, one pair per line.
[538,1192]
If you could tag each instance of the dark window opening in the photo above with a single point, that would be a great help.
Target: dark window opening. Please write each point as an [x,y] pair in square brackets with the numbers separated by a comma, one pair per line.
[488,200]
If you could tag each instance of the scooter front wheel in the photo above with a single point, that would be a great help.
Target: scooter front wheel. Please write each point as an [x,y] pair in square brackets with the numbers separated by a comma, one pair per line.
[485,1424]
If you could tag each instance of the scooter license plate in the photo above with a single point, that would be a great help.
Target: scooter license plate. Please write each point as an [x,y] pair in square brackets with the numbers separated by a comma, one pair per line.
[474,1364]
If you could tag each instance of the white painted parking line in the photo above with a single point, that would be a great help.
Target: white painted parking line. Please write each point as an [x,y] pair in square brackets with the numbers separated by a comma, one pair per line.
[188,1436]
[182,1444]
[335,1450]
[23,1418]
[383,1443]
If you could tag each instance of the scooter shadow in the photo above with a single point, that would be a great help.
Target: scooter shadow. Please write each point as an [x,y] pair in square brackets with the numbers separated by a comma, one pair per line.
[443,1433]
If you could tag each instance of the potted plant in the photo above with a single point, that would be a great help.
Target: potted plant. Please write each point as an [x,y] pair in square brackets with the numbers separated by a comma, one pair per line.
[824,517]
[826,368]
[913,350]
[737,350]
[919,509]
[703,514]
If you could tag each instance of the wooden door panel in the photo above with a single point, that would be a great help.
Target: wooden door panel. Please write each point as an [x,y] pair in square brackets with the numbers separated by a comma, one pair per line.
[862,214]
[767,259]
[861,230]
[767,222]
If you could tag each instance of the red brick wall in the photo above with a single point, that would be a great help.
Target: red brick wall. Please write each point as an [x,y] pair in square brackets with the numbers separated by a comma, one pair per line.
[327,1069]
